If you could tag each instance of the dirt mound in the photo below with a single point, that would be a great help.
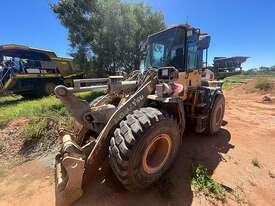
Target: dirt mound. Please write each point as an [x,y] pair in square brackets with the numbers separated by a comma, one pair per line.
[18,123]
[255,89]
[19,142]
[255,86]
[10,140]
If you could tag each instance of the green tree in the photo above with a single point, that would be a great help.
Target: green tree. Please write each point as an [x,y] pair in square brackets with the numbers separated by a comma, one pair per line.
[108,33]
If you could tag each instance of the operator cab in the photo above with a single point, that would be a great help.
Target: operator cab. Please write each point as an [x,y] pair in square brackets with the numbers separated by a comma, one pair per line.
[181,47]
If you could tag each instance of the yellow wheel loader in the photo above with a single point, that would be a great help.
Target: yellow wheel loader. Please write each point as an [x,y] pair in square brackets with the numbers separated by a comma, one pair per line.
[139,123]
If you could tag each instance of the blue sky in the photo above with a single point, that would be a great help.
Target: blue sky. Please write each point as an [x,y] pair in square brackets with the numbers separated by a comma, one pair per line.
[237,27]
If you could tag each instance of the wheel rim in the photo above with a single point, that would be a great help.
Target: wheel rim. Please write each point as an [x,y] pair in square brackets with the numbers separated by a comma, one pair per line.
[157,153]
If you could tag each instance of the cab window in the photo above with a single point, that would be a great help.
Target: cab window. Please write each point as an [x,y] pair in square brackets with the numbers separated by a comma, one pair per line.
[192,56]
[177,57]
[158,54]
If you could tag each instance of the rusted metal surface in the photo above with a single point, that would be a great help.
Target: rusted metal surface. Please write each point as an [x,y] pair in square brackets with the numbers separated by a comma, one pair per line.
[98,88]
[136,101]
[75,105]
[78,82]
[70,165]
[73,158]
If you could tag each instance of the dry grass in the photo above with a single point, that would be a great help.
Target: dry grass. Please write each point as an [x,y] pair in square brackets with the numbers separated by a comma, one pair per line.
[44,116]
[264,83]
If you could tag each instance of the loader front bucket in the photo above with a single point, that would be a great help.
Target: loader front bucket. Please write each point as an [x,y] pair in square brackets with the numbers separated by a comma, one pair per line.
[69,169]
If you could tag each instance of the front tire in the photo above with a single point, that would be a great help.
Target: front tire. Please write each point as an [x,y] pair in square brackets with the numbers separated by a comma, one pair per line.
[143,147]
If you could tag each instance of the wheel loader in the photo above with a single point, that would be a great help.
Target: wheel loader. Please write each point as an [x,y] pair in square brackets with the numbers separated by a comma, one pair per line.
[139,123]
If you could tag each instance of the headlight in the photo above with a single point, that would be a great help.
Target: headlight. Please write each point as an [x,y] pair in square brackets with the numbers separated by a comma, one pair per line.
[165,73]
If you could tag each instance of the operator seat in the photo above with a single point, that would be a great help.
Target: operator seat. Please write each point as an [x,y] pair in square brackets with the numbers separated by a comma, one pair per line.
[178,60]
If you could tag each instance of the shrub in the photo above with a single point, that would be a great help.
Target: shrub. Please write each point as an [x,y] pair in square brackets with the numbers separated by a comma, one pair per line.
[263,83]
[201,181]
[256,163]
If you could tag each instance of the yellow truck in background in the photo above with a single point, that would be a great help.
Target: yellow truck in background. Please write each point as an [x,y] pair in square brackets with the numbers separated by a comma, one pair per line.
[33,72]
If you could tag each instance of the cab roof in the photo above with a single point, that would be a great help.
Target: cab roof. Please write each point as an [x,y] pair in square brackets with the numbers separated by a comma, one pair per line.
[184,26]
[21,51]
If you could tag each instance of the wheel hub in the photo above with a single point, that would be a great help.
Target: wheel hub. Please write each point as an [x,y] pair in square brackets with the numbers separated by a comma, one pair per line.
[157,153]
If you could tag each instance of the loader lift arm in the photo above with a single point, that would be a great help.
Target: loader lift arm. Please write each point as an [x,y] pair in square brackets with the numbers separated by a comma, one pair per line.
[80,163]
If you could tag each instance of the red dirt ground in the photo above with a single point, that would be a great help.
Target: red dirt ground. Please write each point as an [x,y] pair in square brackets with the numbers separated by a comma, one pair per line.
[249,134]
[13,142]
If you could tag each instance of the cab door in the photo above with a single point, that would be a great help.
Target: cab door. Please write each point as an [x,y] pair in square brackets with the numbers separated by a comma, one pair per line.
[192,50]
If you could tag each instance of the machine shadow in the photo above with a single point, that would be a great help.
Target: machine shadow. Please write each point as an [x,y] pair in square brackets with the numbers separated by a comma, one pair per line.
[11,102]
[196,149]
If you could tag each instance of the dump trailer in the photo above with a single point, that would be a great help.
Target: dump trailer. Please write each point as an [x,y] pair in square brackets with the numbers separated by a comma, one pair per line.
[139,123]
[32,72]
[227,66]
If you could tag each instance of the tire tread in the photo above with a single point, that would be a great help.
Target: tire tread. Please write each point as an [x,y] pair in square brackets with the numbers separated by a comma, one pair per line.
[127,135]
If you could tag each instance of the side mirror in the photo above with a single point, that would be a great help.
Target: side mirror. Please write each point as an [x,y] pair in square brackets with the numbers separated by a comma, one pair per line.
[204,42]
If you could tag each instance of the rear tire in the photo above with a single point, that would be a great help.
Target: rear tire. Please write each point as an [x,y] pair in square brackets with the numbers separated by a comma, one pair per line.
[216,115]
[49,88]
[143,147]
